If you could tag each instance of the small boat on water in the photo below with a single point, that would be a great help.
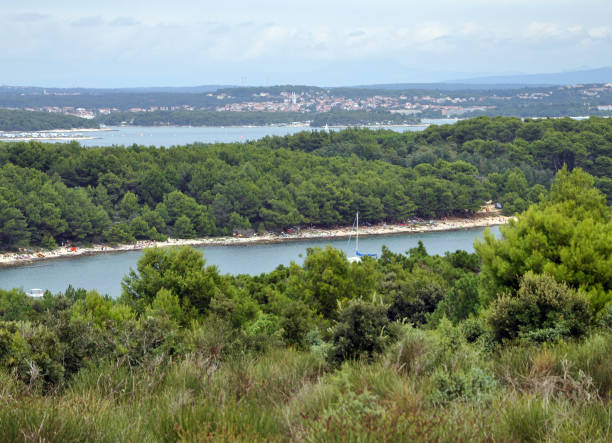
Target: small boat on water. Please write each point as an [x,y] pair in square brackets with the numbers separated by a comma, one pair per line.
[358,255]
[35,292]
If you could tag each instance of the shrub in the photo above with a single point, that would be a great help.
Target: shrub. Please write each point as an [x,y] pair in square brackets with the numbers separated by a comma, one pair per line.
[604,319]
[415,295]
[473,328]
[237,308]
[541,310]
[213,340]
[182,271]
[168,303]
[35,354]
[14,305]
[414,353]
[593,357]
[475,384]
[362,330]
[462,299]
[295,322]
[264,333]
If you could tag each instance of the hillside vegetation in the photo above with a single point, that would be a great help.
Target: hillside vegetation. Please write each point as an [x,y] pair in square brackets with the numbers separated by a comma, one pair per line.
[513,343]
[259,118]
[53,193]
[13,120]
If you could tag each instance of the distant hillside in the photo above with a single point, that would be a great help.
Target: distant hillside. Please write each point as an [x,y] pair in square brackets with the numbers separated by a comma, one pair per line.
[442,86]
[11,120]
[97,91]
[174,89]
[600,75]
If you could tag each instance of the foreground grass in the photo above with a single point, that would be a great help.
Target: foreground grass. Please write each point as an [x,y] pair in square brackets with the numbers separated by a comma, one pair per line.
[426,387]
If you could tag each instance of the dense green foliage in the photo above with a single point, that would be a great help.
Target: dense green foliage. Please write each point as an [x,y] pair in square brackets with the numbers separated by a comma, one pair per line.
[537,147]
[512,155]
[390,349]
[13,120]
[568,236]
[70,193]
[228,118]
[53,193]
[356,118]
[542,309]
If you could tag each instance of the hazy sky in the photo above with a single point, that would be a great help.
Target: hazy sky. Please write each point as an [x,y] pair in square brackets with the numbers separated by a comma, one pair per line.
[161,43]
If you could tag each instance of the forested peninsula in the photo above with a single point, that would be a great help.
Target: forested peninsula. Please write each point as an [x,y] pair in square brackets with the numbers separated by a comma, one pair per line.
[55,193]
[253,118]
[202,118]
[15,120]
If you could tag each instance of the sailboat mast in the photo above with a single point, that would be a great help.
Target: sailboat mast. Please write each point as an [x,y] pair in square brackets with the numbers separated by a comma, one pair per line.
[357,235]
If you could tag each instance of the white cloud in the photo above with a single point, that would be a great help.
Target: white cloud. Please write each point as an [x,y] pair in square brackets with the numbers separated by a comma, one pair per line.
[430,31]
[470,29]
[539,30]
[600,32]
[154,43]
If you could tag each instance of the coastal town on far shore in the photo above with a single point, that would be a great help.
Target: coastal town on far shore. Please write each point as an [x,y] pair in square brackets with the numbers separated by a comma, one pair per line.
[595,98]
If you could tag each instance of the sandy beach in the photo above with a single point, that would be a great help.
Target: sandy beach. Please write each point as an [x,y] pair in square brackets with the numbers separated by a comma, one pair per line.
[48,135]
[446,224]
[60,139]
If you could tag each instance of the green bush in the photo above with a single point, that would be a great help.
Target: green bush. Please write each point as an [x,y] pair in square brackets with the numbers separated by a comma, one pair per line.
[14,305]
[182,271]
[604,319]
[414,352]
[541,310]
[264,333]
[462,300]
[476,384]
[362,330]
[473,328]
[414,295]
[213,339]
[295,322]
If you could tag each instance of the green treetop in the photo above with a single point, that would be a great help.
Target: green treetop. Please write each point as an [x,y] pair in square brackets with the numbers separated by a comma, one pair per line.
[568,236]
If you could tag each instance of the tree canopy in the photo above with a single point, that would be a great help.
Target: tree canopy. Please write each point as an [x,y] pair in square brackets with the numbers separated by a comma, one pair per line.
[53,193]
[567,236]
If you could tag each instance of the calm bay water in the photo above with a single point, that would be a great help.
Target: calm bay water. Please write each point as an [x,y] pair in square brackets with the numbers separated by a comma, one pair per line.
[172,136]
[105,271]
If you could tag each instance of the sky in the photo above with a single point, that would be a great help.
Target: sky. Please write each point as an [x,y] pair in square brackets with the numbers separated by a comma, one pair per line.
[129,43]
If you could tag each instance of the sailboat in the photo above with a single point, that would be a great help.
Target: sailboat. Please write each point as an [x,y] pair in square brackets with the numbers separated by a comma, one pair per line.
[358,255]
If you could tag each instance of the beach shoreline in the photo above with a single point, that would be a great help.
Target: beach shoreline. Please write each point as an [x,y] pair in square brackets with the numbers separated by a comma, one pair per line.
[46,135]
[12,259]
[59,139]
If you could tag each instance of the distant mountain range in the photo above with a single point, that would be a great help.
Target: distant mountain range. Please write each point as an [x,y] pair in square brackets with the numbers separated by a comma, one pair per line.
[599,75]
[176,89]
[447,86]
[589,76]
[138,90]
